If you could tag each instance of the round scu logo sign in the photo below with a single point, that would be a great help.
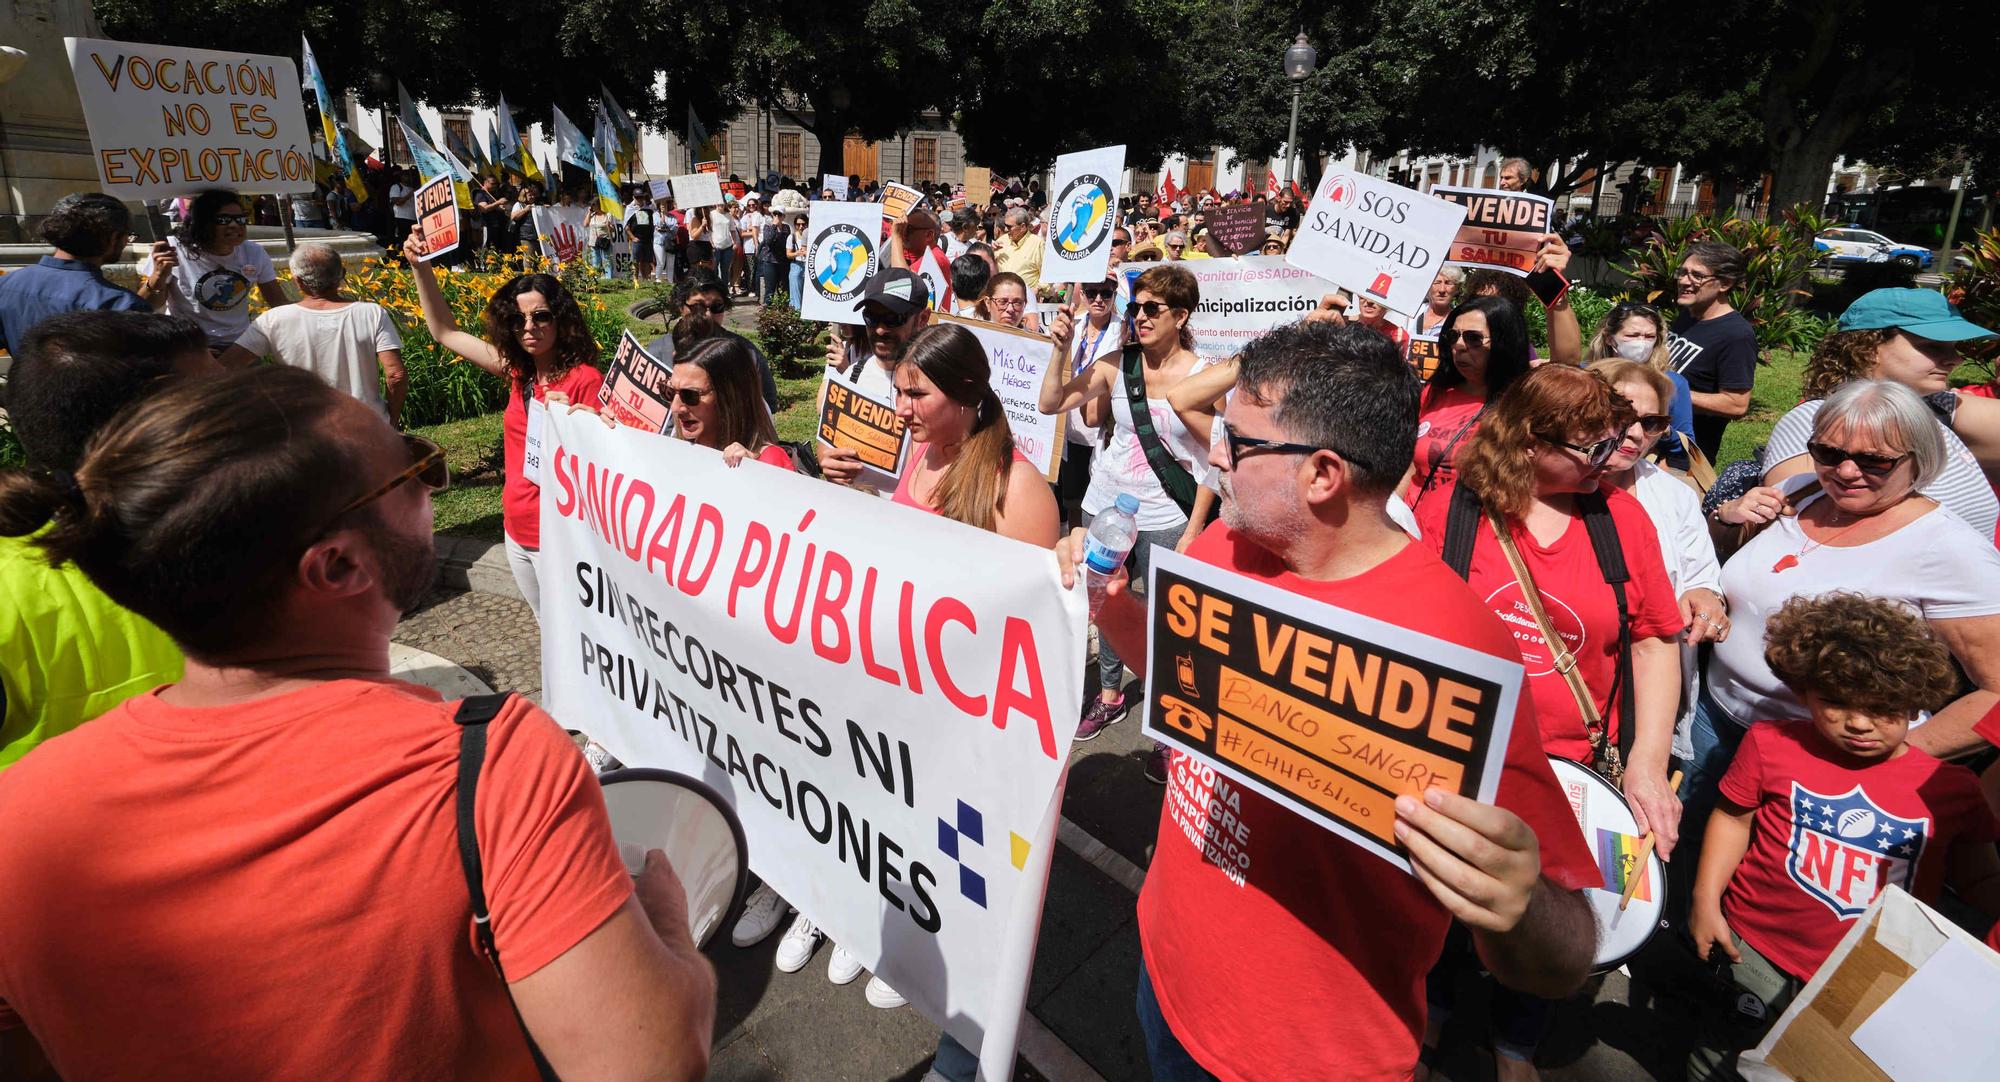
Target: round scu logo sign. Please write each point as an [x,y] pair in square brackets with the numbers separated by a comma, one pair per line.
[1082,217]
[838,261]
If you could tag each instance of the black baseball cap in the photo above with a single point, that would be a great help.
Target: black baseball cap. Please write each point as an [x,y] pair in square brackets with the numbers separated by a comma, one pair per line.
[896,289]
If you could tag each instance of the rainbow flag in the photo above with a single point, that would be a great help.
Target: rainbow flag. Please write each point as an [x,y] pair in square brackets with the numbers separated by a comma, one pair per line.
[1618,860]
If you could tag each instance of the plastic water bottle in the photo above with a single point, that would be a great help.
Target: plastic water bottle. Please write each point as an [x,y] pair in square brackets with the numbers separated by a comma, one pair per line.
[1111,537]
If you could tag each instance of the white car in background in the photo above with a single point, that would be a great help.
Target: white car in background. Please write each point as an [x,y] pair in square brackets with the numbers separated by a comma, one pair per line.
[1847,245]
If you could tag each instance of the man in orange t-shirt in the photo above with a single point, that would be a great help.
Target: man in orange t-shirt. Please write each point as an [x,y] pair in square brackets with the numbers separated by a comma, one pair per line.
[254,873]
[1273,948]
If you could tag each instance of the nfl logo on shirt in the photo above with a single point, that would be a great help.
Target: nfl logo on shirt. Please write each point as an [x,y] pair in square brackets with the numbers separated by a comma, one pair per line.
[1845,849]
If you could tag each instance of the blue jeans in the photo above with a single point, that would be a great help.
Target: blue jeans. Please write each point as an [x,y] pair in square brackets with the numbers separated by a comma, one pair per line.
[601,259]
[1111,667]
[1715,737]
[954,1062]
[725,256]
[798,285]
[1168,1058]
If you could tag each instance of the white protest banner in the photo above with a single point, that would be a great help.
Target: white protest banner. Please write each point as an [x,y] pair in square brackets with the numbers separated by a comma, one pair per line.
[1378,239]
[1076,243]
[560,230]
[1017,359]
[660,189]
[1501,229]
[891,730]
[1331,713]
[1242,298]
[167,121]
[843,247]
[836,184]
[697,190]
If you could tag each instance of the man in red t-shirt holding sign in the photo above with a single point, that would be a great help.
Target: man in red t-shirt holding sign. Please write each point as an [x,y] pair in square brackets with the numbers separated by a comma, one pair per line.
[1290,952]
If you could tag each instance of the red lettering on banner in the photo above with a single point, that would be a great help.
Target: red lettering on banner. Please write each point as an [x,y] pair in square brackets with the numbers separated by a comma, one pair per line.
[755,534]
[565,483]
[949,610]
[827,606]
[1018,654]
[707,523]
[867,634]
[637,544]
[907,633]
[670,529]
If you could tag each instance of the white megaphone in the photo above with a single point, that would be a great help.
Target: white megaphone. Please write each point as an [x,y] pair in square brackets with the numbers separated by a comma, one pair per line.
[689,821]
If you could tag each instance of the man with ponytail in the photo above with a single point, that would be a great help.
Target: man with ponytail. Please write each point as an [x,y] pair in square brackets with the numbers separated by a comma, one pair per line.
[256,871]
[67,652]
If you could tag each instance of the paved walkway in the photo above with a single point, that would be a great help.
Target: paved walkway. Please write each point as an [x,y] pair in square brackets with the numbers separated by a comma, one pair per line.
[776,1027]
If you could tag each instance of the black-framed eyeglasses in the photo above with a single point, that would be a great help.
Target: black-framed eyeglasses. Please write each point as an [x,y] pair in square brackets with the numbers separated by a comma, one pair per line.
[1472,339]
[1694,276]
[714,308]
[884,319]
[427,466]
[1240,446]
[1873,465]
[1654,424]
[1151,309]
[232,219]
[1597,454]
[690,396]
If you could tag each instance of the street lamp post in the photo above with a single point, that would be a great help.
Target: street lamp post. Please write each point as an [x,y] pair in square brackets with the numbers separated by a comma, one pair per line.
[1300,60]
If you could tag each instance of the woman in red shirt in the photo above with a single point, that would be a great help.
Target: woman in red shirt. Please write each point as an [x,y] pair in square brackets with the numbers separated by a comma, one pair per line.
[536,339]
[1487,343]
[718,403]
[1534,468]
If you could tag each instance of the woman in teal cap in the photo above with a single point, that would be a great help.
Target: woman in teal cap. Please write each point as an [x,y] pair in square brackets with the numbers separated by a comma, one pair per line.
[1911,337]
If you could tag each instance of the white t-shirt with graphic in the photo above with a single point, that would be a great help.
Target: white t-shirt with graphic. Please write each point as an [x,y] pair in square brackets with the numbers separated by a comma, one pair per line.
[214,290]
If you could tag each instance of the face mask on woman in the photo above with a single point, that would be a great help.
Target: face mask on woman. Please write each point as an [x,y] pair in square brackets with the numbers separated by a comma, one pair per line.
[1637,350]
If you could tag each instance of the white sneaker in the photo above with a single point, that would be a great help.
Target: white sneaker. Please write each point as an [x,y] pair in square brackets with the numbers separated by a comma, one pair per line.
[843,967]
[881,995]
[796,949]
[760,917]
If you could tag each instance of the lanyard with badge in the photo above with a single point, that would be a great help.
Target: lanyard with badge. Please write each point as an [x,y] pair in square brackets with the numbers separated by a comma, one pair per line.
[531,452]
[1086,350]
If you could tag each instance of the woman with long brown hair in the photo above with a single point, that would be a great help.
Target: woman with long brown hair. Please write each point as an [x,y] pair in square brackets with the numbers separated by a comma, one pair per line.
[962,461]
[535,339]
[717,403]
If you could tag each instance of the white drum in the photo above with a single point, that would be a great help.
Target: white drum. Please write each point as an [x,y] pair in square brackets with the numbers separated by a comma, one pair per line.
[1612,836]
[699,833]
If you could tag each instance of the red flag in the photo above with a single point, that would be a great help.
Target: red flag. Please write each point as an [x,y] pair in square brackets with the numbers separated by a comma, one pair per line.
[1297,194]
[1271,188]
[1168,193]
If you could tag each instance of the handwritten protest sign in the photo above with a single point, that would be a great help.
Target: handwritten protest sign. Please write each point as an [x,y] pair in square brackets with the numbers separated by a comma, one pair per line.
[835,183]
[868,426]
[437,216]
[697,190]
[898,200]
[167,121]
[637,391]
[1378,239]
[1501,229]
[1076,244]
[843,242]
[1325,711]
[1425,355]
[1017,359]
[660,189]
[1241,298]
[903,797]
[1237,227]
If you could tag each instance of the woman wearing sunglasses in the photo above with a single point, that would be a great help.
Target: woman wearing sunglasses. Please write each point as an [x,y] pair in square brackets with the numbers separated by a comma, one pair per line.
[1685,545]
[1532,473]
[698,305]
[1486,343]
[214,267]
[1874,448]
[1911,337]
[1162,466]
[537,341]
[717,404]
[1098,334]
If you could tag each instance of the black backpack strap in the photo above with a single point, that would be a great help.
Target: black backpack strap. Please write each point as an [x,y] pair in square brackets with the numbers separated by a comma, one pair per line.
[1461,529]
[474,712]
[1174,477]
[1611,562]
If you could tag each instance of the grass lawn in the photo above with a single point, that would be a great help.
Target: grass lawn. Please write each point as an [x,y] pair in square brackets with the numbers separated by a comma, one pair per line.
[1777,390]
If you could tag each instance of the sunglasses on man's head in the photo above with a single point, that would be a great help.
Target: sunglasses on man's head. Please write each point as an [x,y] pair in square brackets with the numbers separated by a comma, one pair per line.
[1873,465]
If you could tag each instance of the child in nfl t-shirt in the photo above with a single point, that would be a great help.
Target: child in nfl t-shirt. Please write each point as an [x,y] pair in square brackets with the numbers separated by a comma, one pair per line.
[1818,816]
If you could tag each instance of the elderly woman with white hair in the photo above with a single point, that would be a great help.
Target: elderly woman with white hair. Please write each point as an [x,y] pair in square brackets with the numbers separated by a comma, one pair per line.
[1437,303]
[344,341]
[1859,522]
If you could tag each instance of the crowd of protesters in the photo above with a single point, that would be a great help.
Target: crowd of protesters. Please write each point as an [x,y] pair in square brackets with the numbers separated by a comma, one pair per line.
[225,789]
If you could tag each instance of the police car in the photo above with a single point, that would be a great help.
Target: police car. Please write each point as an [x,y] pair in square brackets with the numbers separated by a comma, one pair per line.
[1846,244]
